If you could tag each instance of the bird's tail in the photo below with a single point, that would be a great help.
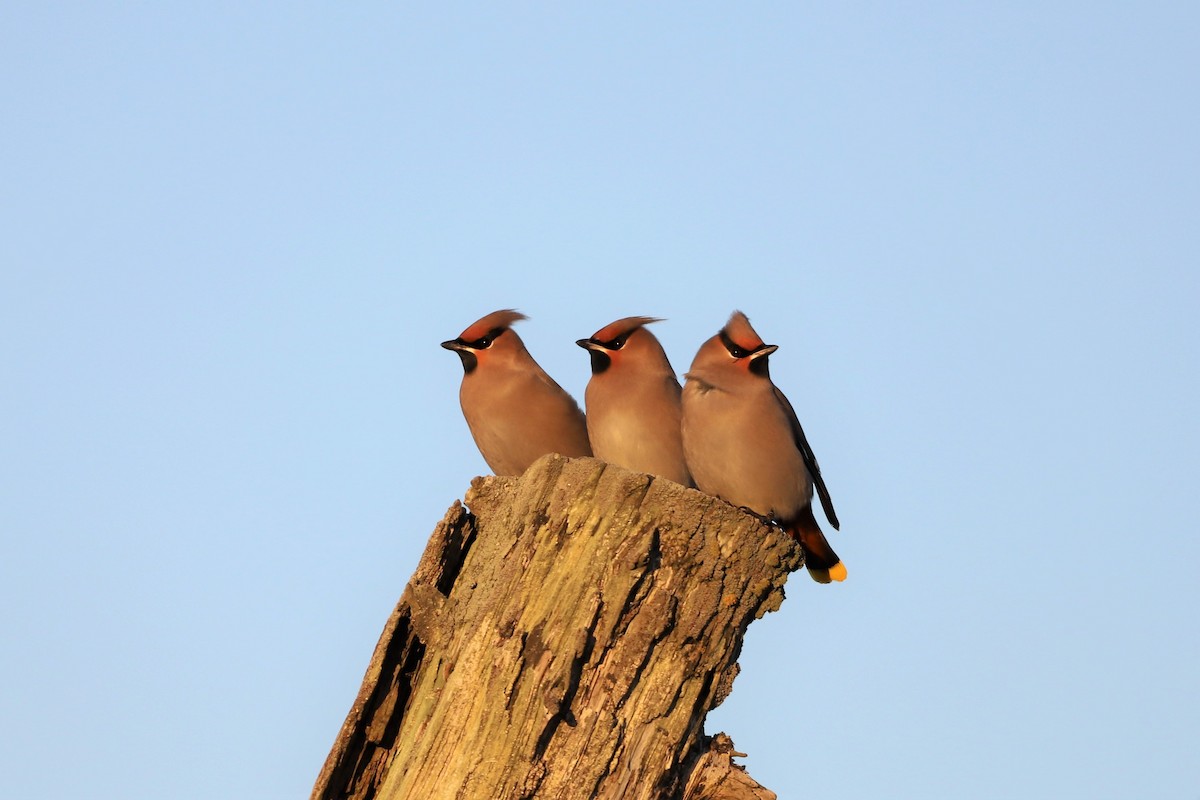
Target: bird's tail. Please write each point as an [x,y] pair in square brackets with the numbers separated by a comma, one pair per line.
[823,564]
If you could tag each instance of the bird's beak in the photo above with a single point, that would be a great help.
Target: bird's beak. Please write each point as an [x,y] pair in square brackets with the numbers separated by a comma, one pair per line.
[453,344]
[764,351]
[588,344]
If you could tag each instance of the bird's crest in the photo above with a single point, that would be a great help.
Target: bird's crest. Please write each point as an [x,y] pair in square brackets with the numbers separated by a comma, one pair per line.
[743,335]
[501,319]
[622,327]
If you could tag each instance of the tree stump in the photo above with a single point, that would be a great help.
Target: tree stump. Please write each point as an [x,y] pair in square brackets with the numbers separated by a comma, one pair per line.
[564,638]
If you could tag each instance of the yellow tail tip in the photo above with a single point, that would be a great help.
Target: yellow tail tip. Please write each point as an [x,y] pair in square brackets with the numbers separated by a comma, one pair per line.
[835,573]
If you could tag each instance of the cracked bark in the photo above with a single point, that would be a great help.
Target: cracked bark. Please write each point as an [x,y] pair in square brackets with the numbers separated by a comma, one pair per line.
[564,638]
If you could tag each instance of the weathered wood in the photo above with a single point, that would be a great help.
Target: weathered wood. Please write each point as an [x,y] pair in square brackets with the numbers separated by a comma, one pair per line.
[565,638]
[714,776]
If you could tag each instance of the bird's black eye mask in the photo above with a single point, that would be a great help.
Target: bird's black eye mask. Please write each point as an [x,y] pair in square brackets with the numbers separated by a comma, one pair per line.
[601,360]
[615,343]
[485,341]
[758,366]
[735,349]
[466,350]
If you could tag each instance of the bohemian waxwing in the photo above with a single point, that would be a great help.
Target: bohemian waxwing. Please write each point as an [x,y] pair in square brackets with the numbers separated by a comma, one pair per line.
[516,412]
[632,401]
[745,445]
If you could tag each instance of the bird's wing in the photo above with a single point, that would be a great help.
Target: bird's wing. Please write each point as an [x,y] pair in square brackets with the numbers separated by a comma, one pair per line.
[810,460]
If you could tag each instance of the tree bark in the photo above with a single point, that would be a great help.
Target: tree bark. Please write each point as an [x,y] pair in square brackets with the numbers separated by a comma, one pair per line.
[564,638]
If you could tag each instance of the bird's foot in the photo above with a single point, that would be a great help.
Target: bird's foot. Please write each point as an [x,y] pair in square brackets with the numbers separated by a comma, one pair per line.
[766,519]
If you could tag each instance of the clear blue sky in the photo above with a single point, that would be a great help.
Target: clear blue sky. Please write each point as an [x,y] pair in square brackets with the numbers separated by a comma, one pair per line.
[235,234]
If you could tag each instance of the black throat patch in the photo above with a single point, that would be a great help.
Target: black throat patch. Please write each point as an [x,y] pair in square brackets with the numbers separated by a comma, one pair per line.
[601,361]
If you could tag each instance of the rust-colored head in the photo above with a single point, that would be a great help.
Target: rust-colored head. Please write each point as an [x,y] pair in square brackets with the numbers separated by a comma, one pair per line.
[490,334]
[737,349]
[623,339]
[744,344]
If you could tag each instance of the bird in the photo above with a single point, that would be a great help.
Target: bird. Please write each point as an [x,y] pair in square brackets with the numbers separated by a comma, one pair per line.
[744,443]
[632,401]
[516,412]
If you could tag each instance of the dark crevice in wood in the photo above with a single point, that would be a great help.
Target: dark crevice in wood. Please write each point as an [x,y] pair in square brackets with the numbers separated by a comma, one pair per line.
[648,655]
[641,586]
[381,717]
[564,713]
[458,545]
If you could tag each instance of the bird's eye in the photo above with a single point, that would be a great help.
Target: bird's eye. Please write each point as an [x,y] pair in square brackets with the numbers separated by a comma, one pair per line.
[485,341]
[732,347]
[611,344]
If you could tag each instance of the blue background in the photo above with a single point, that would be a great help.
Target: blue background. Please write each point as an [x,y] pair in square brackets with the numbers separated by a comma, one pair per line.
[235,234]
